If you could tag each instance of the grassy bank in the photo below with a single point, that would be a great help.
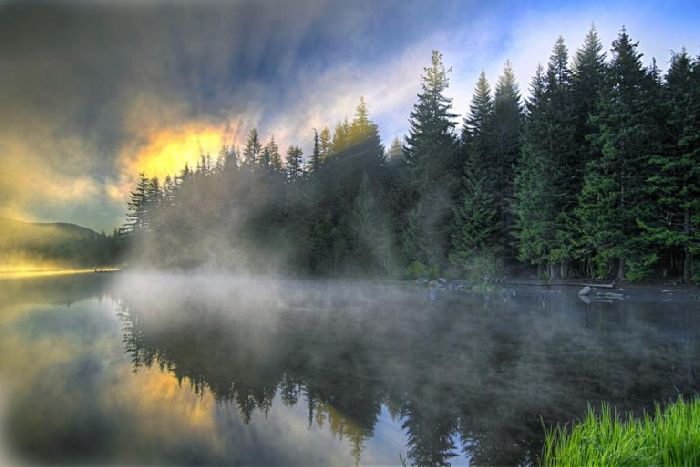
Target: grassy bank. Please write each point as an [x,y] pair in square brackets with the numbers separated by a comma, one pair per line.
[671,437]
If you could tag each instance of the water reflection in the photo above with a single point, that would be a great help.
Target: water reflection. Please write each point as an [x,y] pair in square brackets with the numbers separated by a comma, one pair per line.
[250,370]
[464,373]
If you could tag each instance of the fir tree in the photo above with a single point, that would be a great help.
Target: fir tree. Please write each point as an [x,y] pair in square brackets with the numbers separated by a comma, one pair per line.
[325,144]
[477,131]
[548,168]
[340,136]
[507,119]
[395,152]
[476,222]
[136,216]
[563,168]
[430,145]
[532,224]
[614,200]
[588,78]
[315,162]
[295,167]
[674,183]
[231,161]
[252,151]
[372,238]
[431,155]
[589,70]
[169,190]
[271,156]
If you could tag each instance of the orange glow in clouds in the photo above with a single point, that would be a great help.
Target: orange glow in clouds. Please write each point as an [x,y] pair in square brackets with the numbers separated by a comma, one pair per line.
[167,152]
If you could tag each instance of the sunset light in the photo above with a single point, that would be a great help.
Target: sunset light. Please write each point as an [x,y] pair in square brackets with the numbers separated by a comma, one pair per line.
[350,232]
[166,152]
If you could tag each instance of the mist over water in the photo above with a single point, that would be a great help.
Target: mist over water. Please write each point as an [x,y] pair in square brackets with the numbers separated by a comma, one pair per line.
[182,369]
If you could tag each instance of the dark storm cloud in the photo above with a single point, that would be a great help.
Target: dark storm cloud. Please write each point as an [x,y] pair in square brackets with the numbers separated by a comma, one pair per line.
[79,81]
[84,86]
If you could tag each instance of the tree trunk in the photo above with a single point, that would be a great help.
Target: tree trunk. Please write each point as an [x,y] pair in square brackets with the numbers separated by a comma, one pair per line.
[564,269]
[621,269]
[553,272]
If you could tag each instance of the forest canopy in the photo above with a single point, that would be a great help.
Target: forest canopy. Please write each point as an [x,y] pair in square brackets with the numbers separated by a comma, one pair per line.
[595,174]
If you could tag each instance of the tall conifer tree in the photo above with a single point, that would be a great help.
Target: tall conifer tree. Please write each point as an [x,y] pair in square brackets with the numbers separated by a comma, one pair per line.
[674,181]
[431,154]
[476,220]
[614,199]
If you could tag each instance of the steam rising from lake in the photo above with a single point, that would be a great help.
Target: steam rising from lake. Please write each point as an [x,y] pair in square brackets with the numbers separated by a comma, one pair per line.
[209,368]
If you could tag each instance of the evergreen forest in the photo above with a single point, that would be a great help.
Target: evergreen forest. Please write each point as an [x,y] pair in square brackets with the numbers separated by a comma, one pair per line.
[594,172]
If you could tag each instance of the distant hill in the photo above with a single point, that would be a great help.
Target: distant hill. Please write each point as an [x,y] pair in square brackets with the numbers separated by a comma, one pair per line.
[27,244]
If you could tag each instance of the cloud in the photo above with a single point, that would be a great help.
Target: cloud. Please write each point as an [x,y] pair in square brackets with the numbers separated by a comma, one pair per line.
[91,93]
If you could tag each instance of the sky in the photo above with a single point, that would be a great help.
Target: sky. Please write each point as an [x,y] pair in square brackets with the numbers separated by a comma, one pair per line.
[92,92]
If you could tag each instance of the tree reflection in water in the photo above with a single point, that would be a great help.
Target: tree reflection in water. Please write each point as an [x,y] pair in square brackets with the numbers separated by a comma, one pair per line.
[466,374]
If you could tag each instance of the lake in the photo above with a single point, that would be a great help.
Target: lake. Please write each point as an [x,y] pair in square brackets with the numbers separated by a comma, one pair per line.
[129,368]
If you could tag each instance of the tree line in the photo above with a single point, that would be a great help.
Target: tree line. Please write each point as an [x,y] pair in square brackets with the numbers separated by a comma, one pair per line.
[596,174]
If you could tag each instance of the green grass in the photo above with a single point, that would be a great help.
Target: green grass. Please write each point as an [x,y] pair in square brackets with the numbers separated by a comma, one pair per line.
[670,438]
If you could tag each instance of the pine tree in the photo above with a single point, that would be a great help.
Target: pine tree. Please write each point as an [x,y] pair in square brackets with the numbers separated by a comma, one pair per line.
[614,200]
[563,168]
[363,143]
[270,158]
[430,145]
[169,191]
[315,162]
[589,69]
[478,131]
[674,183]
[295,167]
[340,137]
[476,220]
[153,203]
[185,175]
[431,155]
[325,144]
[395,152]
[252,151]
[547,177]
[136,217]
[507,120]
[231,161]
[372,240]
[476,225]
[532,225]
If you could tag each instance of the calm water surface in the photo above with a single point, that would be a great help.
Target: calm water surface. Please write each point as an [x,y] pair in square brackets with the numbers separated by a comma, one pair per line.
[157,369]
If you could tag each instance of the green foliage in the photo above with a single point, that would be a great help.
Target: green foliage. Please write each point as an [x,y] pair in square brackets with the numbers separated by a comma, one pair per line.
[549,177]
[477,266]
[674,178]
[641,267]
[598,175]
[614,199]
[416,270]
[671,437]
[475,221]
[295,166]
[532,221]
[431,156]
[371,233]
[507,126]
